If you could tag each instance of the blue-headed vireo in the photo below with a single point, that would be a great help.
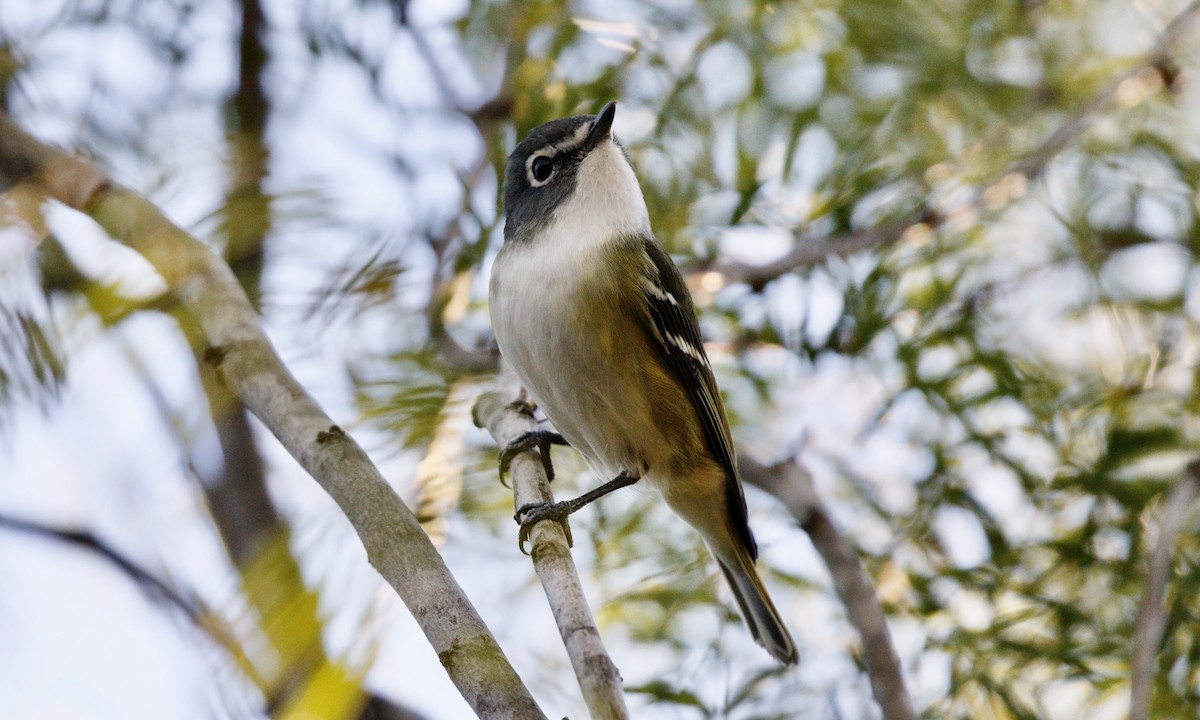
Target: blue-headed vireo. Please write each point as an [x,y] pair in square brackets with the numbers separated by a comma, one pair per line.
[593,315]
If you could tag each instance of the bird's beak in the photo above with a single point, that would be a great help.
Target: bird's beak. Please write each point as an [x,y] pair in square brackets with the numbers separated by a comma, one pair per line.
[602,125]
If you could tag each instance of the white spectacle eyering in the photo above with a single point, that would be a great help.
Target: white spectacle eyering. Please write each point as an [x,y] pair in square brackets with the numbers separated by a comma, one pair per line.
[534,182]
[551,151]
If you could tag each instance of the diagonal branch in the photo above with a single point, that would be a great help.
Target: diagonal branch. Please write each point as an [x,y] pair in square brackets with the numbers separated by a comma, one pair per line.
[1035,162]
[598,677]
[154,588]
[1151,617]
[248,364]
[810,250]
[792,486]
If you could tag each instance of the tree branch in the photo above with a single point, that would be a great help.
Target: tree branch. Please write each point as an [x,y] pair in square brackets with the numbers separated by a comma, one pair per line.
[792,486]
[1151,617]
[1034,163]
[246,361]
[598,677]
[153,587]
[810,250]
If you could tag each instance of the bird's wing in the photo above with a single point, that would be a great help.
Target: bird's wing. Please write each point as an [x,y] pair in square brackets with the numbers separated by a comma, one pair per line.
[673,319]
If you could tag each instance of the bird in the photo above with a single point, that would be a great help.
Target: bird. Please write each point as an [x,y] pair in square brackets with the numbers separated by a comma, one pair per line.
[596,320]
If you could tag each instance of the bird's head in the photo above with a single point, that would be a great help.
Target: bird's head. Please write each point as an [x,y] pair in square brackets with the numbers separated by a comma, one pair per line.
[573,171]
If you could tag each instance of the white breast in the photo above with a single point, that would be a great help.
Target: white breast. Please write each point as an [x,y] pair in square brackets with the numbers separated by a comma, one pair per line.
[535,314]
[536,309]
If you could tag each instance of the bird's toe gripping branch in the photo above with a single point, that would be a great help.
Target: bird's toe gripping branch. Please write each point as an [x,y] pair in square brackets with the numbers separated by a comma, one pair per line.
[532,513]
[539,440]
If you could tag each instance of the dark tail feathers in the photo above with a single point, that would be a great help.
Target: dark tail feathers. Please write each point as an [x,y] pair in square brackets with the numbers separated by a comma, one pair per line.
[758,610]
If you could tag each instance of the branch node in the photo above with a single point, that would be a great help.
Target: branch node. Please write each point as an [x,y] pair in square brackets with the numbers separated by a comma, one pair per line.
[333,433]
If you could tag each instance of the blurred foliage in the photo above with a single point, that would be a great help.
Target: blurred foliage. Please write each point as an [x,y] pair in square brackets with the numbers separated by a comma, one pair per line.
[31,363]
[993,402]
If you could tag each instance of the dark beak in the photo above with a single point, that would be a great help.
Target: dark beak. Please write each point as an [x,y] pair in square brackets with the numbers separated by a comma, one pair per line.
[602,125]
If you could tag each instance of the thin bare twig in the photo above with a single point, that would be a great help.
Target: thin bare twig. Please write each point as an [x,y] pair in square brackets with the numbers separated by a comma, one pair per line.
[598,677]
[1151,617]
[152,586]
[791,485]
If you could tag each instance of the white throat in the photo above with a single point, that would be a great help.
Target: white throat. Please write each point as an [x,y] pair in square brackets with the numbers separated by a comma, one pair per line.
[607,203]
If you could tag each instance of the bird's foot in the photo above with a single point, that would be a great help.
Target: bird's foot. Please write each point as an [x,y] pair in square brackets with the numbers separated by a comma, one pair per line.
[539,440]
[531,514]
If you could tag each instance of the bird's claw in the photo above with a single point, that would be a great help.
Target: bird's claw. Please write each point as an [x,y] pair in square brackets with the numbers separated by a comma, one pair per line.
[539,440]
[530,514]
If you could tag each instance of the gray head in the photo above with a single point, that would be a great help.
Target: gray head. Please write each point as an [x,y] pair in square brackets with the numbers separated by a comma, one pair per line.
[574,160]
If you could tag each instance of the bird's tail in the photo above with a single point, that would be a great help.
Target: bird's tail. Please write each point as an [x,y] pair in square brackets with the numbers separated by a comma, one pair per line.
[765,624]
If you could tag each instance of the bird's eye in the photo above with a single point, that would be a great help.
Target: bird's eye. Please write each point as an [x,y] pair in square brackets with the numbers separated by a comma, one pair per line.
[541,169]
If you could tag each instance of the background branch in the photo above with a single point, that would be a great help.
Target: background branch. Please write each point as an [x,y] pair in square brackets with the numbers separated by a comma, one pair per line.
[792,485]
[810,250]
[598,677]
[245,360]
[151,585]
[1152,616]
[154,588]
